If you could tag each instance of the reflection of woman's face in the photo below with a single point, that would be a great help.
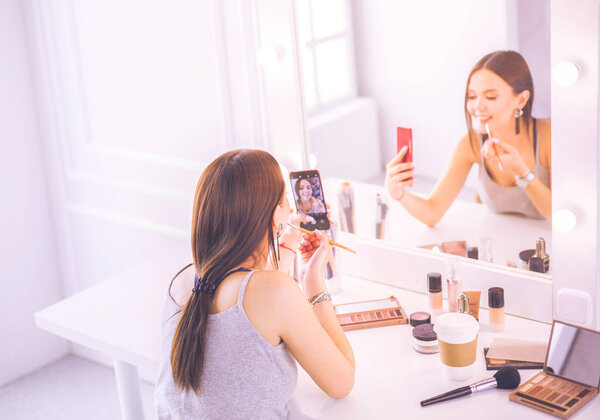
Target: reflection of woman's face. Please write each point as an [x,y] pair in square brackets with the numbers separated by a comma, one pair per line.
[490,100]
[304,191]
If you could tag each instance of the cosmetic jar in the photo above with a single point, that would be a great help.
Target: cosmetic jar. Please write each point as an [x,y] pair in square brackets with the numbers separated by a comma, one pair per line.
[473,252]
[496,304]
[419,318]
[434,283]
[425,339]
[524,257]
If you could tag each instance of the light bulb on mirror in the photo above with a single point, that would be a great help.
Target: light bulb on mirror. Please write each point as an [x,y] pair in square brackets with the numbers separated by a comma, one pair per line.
[565,73]
[564,220]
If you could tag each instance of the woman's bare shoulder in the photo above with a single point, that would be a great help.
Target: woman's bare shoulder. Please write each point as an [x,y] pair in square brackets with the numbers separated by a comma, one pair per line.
[269,284]
[468,147]
[545,129]
[545,139]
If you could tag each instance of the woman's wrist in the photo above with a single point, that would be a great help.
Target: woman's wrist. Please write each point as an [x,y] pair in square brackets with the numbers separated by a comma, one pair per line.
[402,197]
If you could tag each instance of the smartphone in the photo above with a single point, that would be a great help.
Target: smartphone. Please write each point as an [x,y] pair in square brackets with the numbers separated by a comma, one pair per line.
[309,198]
[404,138]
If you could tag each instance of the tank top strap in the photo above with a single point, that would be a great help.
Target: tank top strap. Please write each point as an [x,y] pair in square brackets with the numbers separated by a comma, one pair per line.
[243,286]
[535,142]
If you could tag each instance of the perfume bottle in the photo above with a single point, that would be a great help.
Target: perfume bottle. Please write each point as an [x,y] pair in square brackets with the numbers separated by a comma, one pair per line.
[453,282]
[540,252]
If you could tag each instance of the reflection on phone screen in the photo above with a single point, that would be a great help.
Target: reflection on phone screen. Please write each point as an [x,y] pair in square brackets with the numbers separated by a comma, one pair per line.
[309,198]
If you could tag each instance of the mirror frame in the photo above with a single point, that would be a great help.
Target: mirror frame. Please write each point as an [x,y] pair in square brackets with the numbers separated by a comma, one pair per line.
[575,286]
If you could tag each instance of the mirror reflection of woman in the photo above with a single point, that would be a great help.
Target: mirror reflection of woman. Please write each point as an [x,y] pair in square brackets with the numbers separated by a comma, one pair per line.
[306,203]
[513,178]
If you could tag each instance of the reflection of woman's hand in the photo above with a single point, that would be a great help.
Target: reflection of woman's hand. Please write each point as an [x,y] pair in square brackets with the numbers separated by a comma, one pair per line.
[399,175]
[510,158]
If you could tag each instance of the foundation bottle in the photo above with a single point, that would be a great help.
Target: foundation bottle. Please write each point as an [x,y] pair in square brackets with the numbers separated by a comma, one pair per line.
[434,284]
[496,304]
[453,282]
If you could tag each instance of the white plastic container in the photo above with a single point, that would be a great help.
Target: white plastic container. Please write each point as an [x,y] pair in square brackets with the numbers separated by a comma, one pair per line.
[457,340]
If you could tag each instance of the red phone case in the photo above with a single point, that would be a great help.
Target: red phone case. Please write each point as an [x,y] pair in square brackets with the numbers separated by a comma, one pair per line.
[405,139]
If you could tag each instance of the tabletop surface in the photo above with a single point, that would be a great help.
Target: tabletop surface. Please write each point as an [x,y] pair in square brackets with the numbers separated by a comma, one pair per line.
[121,318]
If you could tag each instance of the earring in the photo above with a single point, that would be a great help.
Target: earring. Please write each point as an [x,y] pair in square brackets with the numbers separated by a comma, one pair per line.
[279,232]
[517,114]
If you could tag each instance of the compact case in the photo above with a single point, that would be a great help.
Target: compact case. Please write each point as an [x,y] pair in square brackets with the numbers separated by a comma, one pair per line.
[571,375]
[370,314]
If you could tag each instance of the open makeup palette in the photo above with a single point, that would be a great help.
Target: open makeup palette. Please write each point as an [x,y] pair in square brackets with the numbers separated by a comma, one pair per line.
[571,375]
[370,314]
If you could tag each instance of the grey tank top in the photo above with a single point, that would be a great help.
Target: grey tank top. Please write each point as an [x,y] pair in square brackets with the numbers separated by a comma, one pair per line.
[501,199]
[244,376]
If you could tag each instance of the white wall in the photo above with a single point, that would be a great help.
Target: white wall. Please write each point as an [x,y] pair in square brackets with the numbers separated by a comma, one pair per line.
[135,98]
[29,272]
[533,31]
[413,58]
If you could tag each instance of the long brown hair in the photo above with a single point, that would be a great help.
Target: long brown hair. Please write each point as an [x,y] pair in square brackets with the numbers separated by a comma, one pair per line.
[511,67]
[234,203]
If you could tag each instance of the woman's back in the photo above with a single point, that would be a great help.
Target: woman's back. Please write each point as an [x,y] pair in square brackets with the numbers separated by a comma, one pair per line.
[244,376]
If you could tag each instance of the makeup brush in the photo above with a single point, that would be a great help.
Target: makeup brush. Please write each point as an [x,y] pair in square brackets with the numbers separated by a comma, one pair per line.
[487,128]
[330,241]
[505,378]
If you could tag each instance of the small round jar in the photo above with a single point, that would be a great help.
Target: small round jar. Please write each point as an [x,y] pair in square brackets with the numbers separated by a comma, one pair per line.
[524,257]
[473,252]
[425,339]
[419,318]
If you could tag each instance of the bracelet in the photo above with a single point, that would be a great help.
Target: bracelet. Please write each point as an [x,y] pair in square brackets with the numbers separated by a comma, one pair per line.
[523,181]
[286,247]
[321,297]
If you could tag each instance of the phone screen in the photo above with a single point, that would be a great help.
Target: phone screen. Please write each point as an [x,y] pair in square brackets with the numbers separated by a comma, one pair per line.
[309,198]
[405,139]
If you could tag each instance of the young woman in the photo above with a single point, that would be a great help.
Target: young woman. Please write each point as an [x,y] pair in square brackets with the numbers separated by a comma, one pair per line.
[514,166]
[234,328]
[306,203]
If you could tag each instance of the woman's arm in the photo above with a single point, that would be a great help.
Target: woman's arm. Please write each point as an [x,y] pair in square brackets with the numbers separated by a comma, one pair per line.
[431,210]
[313,334]
[539,194]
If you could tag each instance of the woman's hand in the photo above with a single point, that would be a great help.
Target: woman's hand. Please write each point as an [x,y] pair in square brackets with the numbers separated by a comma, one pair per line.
[315,251]
[291,237]
[399,175]
[510,158]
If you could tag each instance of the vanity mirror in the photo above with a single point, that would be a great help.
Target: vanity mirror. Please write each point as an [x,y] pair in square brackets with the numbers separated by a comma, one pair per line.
[368,67]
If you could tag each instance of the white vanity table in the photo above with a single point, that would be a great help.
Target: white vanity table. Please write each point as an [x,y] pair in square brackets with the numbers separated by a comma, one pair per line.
[121,318]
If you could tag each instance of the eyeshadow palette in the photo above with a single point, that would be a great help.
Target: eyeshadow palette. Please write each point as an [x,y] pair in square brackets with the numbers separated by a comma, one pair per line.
[555,395]
[370,314]
[571,375]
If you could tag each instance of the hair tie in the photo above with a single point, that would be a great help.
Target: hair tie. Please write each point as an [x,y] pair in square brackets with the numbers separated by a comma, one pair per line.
[201,284]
